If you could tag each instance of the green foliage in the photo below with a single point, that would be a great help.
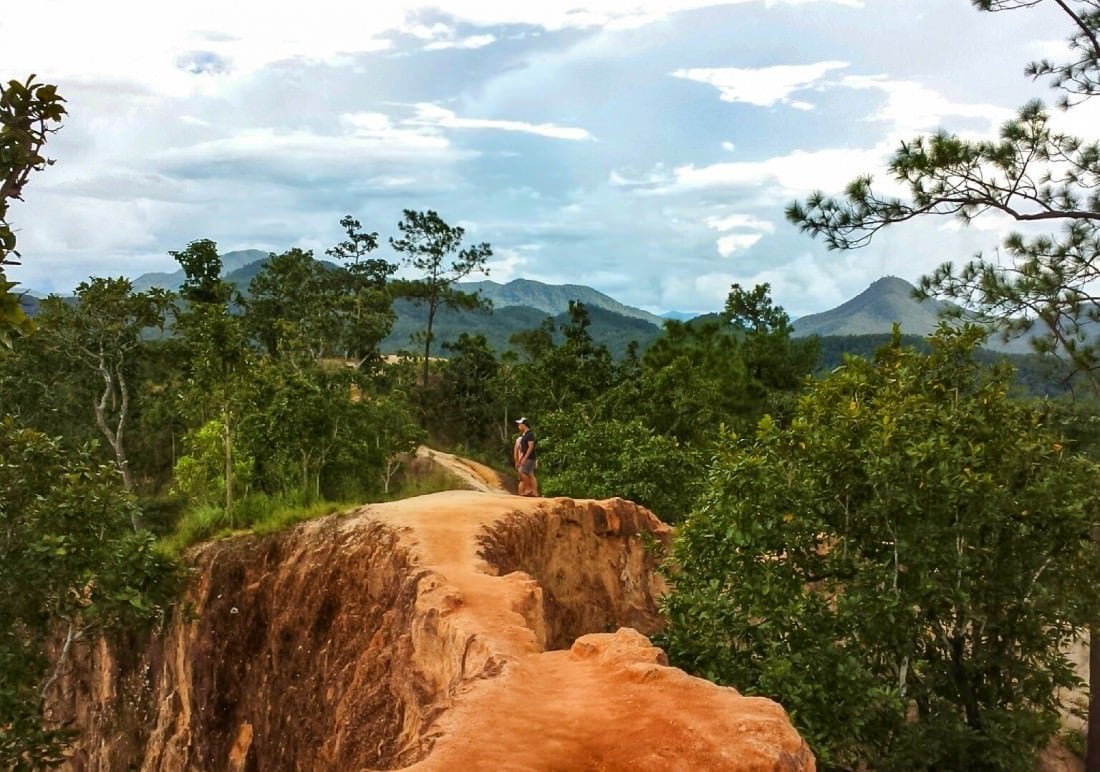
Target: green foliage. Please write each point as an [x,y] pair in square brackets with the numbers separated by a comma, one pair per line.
[601,459]
[462,402]
[915,540]
[29,113]
[774,360]
[427,243]
[258,513]
[365,303]
[699,376]
[323,430]
[70,566]
[40,384]
[287,310]
[554,376]
[1044,283]
[900,565]
[101,333]
[200,472]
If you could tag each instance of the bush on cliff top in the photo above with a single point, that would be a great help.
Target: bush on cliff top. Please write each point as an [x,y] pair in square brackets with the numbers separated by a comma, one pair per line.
[900,566]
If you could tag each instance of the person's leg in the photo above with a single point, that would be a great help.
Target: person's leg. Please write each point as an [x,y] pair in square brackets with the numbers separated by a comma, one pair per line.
[524,488]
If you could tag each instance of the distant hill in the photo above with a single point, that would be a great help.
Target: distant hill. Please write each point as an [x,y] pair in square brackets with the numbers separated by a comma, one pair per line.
[552,299]
[521,304]
[607,327]
[232,262]
[875,310]
[241,266]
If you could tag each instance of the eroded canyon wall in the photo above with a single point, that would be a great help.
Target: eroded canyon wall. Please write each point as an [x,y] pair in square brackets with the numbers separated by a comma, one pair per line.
[461,630]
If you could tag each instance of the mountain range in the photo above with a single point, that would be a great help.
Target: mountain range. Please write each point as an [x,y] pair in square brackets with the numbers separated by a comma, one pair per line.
[523,304]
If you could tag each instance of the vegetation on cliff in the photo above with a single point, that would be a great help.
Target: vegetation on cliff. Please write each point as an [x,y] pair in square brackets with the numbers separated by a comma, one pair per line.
[1037,175]
[902,563]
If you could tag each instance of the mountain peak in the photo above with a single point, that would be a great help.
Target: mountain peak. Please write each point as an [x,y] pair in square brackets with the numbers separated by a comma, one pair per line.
[886,301]
[887,283]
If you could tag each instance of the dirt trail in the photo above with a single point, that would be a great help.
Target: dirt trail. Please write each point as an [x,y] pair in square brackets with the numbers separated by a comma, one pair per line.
[478,476]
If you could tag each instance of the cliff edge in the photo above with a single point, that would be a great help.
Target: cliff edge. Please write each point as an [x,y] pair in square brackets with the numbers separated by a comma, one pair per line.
[468,630]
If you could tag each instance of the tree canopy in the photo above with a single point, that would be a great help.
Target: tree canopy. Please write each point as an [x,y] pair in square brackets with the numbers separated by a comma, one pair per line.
[29,113]
[901,564]
[1041,178]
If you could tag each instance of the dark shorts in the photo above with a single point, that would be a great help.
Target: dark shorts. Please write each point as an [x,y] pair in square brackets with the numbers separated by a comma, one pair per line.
[528,466]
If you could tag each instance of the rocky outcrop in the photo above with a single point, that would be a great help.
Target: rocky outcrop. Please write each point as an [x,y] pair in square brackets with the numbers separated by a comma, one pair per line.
[462,630]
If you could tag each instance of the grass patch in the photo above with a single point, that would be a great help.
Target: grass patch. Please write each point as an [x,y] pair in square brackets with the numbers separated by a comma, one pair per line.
[256,513]
[198,524]
[260,513]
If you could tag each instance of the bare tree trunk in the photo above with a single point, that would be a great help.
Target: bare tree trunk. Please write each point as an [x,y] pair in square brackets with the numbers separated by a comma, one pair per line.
[428,341]
[114,385]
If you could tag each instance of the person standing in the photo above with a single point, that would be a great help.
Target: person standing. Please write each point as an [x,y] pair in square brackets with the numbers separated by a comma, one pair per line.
[526,458]
[521,486]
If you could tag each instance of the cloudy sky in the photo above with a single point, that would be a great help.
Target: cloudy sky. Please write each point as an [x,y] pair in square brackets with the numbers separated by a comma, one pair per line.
[645,148]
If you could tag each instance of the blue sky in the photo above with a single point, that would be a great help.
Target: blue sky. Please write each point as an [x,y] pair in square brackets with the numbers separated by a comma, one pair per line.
[646,149]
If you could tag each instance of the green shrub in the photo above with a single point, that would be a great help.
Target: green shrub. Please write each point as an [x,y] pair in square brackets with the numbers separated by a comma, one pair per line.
[901,566]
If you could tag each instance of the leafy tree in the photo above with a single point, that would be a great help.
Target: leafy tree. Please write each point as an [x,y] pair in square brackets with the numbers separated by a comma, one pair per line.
[41,387]
[692,380]
[366,307]
[1037,176]
[382,432]
[555,375]
[427,243]
[29,113]
[700,375]
[214,341]
[287,310]
[901,566]
[463,402]
[602,458]
[200,473]
[102,330]
[298,419]
[775,360]
[70,565]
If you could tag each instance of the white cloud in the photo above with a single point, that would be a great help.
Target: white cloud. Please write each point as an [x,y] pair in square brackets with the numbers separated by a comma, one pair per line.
[762,86]
[508,263]
[735,242]
[739,220]
[794,174]
[310,151]
[471,42]
[656,177]
[912,107]
[434,115]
